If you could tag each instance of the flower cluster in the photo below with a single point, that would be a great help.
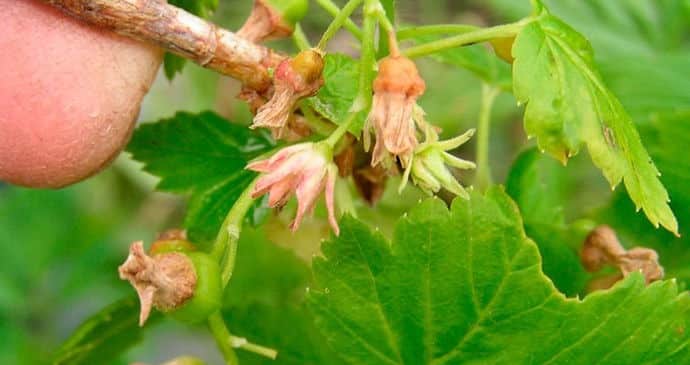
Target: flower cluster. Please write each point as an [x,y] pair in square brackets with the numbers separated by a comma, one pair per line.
[428,165]
[305,169]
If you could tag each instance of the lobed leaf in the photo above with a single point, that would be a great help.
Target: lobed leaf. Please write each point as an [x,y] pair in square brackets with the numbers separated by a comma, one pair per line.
[464,286]
[568,105]
[202,156]
[536,184]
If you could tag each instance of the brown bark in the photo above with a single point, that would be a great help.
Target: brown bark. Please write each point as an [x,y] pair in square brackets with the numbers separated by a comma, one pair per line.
[179,32]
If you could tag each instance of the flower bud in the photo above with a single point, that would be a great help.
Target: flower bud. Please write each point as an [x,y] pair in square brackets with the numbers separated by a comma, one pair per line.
[304,169]
[396,89]
[273,19]
[428,166]
[294,79]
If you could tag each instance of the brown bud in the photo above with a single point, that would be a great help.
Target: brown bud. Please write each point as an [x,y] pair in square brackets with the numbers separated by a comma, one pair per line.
[370,182]
[601,248]
[165,281]
[644,260]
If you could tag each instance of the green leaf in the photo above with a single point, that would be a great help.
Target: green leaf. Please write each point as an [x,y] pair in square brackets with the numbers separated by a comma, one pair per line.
[568,105]
[465,286]
[333,101]
[104,336]
[265,304]
[536,184]
[173,64]
[202,156]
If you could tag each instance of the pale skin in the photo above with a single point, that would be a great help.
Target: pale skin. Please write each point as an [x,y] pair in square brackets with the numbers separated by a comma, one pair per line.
[69,94]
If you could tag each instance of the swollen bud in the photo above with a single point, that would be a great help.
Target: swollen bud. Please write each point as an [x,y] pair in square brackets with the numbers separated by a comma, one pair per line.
[294,79]
[273,19]
[173,278]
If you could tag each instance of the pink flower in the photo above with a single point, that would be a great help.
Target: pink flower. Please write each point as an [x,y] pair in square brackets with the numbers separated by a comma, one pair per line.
[396,89]
[305,169]
[293,80]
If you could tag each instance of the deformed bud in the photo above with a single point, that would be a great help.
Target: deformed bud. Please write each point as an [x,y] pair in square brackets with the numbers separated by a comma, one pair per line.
[294,79]
[396,89]
[304,169]
[165,281]
[644,260]
[428,166]
[601,248]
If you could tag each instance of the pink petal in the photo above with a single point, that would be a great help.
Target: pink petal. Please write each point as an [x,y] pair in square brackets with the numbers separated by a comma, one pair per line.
[308,190]
[330,203]
[259,166]
[280,192]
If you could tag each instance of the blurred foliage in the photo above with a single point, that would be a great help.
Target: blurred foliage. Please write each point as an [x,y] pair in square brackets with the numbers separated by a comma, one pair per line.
[61,248]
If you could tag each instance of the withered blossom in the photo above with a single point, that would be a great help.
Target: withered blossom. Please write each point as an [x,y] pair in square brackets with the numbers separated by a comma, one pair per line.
[293,80]
[304,169]
[396,89]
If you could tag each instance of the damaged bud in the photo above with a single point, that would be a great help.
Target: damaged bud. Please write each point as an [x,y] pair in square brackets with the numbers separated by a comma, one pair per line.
[305,169]
[294,79]
[272,19]
[173,279]
[396,89]
[602,248]
[428,166]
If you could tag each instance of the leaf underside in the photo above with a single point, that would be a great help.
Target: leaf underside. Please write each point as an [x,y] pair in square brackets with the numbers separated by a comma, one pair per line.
[568,105]
[465,287]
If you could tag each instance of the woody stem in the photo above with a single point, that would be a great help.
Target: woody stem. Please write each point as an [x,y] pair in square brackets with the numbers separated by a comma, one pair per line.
[179,32]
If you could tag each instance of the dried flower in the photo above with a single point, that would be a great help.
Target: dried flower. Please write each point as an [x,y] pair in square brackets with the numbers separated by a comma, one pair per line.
[265,23]
[396,89]
[294,79]
[428,165]
[305,169]
[164,281]
[602,248]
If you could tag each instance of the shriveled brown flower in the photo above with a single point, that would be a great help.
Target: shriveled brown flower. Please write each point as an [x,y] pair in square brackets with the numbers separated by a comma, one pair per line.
[264,23]
[396,89]
[294,79]
[165,281]
[602,248]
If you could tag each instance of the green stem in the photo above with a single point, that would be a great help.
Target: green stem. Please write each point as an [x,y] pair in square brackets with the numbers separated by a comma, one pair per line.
[483,177]
[479,35]
[334,10]
[366,65]
[222,335]
[447,29]
[339,132]
[300,39]
[338,22]
[315,122]
[242,343]
[229,233]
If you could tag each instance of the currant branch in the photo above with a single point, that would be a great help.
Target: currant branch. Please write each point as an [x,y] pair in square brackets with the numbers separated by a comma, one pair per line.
[179,32]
